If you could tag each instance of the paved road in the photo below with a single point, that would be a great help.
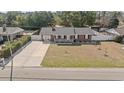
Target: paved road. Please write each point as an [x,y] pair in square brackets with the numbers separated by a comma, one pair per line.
[32,55]
[63,74]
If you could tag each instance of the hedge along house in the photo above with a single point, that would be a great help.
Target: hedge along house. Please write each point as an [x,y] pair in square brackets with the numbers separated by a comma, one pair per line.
[66,34]
[12,32]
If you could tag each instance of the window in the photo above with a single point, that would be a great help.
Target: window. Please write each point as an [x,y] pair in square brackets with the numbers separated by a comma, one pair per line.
[72,37]
[65,37]
[59,37]
[78,36]
[54,37]
[89,36]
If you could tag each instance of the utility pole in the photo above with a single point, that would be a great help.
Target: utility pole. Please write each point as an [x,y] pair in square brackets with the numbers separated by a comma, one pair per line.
[10,49]
[11,72]
[99,18]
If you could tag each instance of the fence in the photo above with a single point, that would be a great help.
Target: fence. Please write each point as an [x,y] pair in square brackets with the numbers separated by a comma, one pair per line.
[102,37]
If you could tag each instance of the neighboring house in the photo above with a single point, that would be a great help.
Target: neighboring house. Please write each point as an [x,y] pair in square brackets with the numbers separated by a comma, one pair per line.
[121,32]
[106,34]
[66,34]
[103,37]
[112,32]
[12,32]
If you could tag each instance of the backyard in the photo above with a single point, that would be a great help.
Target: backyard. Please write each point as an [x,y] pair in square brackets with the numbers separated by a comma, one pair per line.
[108,54]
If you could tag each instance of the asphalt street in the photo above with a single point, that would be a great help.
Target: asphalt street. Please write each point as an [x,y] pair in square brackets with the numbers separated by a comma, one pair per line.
[63,74]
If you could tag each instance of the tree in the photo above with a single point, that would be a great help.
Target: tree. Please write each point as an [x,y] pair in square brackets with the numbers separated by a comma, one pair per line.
[119,39]
[64,18]
[20,20]
[11,17]
[75,18]
[114,22]
[90,18]
[1,20]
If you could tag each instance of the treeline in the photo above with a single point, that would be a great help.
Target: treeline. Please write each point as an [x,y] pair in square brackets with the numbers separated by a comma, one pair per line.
[64,18]
[33,19]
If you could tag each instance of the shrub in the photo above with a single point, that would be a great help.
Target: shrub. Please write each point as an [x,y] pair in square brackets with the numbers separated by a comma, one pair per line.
[15,45]
[119,39]
[5,53]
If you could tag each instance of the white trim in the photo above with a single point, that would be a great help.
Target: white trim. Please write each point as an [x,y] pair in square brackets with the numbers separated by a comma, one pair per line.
[68,37]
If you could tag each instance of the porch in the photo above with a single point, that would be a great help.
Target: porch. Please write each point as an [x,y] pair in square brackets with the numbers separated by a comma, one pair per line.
[70,38]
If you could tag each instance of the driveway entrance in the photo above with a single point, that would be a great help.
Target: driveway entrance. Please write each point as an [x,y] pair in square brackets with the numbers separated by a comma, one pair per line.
[31,56]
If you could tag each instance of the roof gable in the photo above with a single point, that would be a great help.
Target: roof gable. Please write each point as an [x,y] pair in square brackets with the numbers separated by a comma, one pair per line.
[11,30]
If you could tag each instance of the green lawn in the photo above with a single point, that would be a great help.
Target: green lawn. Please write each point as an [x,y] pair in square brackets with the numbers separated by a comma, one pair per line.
[85,56]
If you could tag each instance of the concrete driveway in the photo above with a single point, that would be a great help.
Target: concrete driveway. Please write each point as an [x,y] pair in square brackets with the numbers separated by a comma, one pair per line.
[31,56]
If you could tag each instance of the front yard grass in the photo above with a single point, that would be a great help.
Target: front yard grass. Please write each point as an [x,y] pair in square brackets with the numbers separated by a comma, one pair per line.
[108,54]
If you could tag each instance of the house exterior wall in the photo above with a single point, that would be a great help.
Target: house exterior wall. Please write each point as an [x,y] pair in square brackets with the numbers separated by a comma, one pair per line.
[15,35]
[86,36]
[76,36]
[46,37]
[12,36]
[81,38]
[68,37]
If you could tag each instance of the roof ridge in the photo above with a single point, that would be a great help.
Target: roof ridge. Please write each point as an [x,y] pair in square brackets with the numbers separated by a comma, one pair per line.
[74,31]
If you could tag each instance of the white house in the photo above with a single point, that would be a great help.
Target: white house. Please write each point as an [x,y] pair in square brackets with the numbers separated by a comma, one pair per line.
[66,34]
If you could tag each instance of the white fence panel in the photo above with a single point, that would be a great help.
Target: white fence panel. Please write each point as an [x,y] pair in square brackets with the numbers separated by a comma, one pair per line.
[36,37]
[102,37]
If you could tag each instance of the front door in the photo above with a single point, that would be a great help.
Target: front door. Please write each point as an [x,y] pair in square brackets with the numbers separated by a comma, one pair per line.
[52,37]
[81,37]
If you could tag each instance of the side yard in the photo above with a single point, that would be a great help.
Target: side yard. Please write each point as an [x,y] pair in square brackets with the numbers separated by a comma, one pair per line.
[108,54]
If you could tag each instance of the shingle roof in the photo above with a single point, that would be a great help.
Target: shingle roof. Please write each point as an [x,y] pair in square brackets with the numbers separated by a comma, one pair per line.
[112,31]
[11,30]
[67,31]
[46,31]
[120,30]
[64,31]
[84,31]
